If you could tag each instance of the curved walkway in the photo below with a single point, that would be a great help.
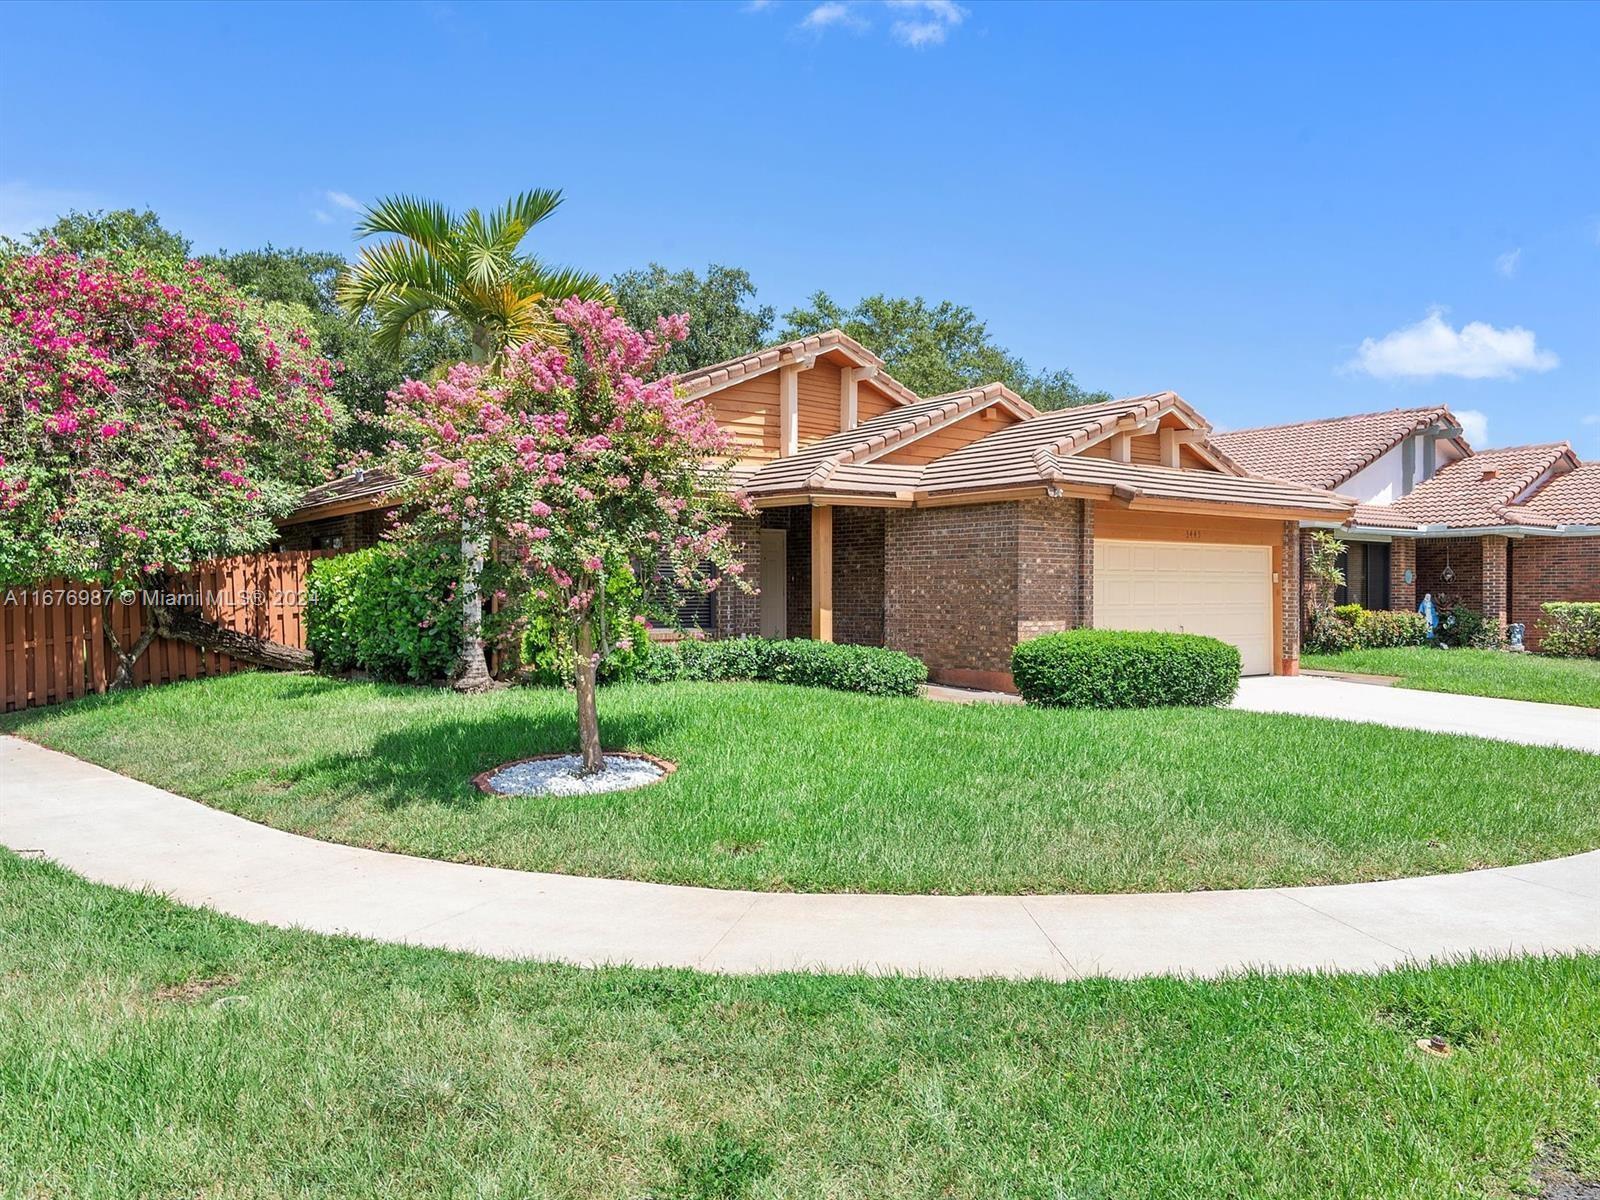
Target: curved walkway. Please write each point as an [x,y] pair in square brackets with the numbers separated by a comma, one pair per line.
[117,831]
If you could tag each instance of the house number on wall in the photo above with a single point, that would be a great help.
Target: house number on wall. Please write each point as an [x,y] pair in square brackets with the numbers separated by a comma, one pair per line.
[1192,535]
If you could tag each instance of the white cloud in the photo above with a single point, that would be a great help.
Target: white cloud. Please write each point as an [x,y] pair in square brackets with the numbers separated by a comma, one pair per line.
[926,22]
[345,200]
[756,5]
[25,208]
[1508,262]
[1474,426]
[323,218]
[1589,419]
[831,15]
[1431,348]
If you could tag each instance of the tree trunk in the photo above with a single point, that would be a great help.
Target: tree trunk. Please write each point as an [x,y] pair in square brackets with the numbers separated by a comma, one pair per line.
[472,671]
[188,625]
[127,658]
[588,718]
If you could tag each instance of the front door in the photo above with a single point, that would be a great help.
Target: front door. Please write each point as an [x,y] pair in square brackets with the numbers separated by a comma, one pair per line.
[774,583]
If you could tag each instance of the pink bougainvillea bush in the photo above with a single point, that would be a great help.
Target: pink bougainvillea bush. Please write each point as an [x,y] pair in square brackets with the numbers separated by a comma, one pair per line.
[147,423]
[577,470]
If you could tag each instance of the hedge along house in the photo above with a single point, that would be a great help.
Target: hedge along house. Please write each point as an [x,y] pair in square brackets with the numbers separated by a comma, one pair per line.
[953,527]
[1500,531]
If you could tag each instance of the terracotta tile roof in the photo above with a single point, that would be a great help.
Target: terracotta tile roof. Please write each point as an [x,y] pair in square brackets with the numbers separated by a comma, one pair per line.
[748,366]
[1476,492]
[820,464]
[1325,453]
[1572,498]
[357,485]
[1039,452]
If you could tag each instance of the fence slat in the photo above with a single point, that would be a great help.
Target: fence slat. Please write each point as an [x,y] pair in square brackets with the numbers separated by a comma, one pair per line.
[50,652]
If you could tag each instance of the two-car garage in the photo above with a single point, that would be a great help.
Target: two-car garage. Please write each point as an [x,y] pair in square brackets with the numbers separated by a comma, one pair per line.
[1222,591]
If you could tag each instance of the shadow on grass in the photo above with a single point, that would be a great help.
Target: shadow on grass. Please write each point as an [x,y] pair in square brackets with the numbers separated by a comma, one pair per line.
[433,761]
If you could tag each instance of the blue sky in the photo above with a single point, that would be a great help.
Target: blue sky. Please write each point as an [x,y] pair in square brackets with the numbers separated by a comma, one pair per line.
[1280,212]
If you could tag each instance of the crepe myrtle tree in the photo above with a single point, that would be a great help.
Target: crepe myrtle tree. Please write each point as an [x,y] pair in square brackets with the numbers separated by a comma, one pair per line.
[150,419]
[573,468]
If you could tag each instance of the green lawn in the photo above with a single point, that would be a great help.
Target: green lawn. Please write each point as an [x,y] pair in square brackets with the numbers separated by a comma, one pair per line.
[791,788]
[150,1051]
[1475,672]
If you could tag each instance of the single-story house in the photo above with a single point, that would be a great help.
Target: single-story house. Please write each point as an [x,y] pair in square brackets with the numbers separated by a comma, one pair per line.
[1501,531]
[954,526]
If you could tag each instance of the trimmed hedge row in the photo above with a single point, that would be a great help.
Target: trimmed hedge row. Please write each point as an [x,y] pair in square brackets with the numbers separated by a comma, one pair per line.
[1107,668]
[871,670]
[1570,629]
[385,611]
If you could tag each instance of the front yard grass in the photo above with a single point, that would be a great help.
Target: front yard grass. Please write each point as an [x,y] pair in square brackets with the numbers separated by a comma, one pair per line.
[149,1051]
[1475,672]
[785,788]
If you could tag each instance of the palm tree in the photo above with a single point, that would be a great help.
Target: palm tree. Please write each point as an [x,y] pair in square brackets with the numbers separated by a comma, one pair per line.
[466,268]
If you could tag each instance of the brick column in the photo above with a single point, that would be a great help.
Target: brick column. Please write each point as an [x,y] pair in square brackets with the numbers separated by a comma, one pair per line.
[1494,604]
[1290,597]
[1403,558]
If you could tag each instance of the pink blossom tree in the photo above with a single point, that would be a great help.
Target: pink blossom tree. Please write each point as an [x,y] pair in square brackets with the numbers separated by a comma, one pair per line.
[148,422]
[573,467]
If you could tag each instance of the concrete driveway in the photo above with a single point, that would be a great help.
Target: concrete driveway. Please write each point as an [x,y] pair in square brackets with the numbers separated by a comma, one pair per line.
[1438,712]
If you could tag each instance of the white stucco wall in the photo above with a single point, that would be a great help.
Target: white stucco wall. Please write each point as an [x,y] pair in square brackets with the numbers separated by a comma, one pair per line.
[1380,482]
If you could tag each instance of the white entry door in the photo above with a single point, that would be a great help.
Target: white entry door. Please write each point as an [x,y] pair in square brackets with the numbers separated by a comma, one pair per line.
[1222,591]
[774,583]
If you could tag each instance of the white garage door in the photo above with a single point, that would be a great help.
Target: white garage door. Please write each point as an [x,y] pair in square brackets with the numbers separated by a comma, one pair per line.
[1182,587]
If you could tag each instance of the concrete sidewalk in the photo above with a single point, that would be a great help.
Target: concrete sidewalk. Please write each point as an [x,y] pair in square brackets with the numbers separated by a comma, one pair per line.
[117,831]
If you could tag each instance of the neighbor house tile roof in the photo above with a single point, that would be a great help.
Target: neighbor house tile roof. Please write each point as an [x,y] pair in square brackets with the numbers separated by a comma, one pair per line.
[748,366]
[1325,453]
[1572,498]
[1038,452]
[1479,492]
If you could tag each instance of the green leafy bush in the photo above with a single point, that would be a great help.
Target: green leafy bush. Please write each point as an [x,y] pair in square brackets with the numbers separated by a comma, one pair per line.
[1464,627]
[545,652]
[1570,629]
[872,670]
[1104,668]
[1351,627]
[388,611]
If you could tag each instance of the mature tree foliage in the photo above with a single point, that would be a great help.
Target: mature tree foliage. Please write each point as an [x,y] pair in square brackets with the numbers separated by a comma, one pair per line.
[576,470]
[307,279]
[723,324]
[100,234]
[149,421]
[467,267]
[935,349]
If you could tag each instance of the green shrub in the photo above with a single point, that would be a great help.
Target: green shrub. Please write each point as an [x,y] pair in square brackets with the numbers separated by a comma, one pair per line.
[871,670]
[1351,627]
[388,611]
[1327,633]
[1104,668]
[546,658]
[1464,627]
[1570,629]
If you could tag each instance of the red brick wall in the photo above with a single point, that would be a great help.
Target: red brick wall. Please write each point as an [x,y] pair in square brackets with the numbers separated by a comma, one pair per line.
[963,585]
[353,531]
[1547,569]
[858,576]
[950,585]
[1465,557]
[1492,602]
[1403,558]
[739,614]
[1290,599]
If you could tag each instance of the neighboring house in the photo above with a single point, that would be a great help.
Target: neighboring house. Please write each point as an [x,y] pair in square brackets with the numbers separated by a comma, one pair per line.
[954,526]
[1501,531]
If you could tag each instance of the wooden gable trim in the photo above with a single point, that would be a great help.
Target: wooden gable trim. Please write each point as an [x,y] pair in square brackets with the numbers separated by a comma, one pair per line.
[953,417]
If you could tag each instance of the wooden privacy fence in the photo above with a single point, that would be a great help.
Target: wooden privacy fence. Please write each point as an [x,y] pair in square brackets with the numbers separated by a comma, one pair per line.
[52,634]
